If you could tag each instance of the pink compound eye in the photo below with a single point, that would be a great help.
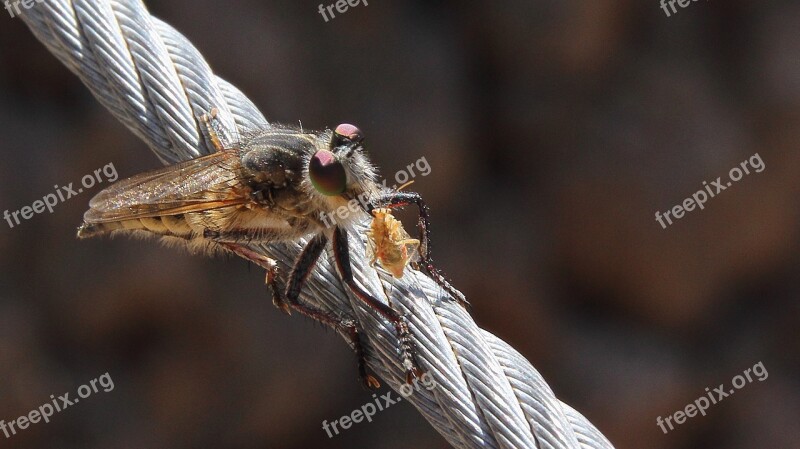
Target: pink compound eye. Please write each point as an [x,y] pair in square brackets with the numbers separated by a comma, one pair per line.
[349,132]
[327,174]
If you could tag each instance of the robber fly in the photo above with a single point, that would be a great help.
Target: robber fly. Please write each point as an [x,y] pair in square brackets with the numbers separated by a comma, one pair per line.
[388,243]
[273,186]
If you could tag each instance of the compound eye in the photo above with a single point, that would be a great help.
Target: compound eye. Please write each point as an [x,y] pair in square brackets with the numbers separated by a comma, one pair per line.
[349,132]
[327,174]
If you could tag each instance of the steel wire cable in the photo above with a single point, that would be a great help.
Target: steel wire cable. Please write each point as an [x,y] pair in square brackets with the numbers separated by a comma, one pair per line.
[154,81]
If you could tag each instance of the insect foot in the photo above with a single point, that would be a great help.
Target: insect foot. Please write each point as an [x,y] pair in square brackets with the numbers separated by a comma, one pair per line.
[407,352]
[277,299]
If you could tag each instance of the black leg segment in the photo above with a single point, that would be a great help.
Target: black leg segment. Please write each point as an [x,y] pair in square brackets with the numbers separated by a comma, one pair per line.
[400,199]
[290,298]
[341,251]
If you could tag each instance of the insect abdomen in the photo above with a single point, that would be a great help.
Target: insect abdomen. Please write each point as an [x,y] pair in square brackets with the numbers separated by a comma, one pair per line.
[175,226]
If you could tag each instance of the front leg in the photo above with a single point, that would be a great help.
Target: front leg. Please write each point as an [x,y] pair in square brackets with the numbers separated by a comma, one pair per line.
[400,199]
[303,265]
[341,251]
[235,239]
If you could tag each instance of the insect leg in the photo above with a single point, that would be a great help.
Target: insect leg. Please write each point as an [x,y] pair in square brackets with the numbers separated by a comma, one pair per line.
[368,380]
[265,262]
[216,133]
[240,235]
[235,238]
[348,327]
[341,251]
[302,267]
[400,199]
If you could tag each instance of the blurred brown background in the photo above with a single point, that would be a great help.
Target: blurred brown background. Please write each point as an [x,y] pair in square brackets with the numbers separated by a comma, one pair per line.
[555,130]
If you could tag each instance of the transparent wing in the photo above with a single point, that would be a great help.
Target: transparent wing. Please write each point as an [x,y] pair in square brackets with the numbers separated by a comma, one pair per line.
[208,182]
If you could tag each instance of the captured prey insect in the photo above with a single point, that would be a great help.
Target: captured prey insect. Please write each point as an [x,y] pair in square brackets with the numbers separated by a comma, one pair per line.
[273,186]
[389,244]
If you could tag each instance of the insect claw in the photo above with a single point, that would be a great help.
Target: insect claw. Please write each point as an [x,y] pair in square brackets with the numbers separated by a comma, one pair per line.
[277,299]
[280,304]
[371,382]
[413,374]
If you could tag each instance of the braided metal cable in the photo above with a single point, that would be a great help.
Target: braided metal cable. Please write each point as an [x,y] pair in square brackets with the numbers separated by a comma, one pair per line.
[155,82]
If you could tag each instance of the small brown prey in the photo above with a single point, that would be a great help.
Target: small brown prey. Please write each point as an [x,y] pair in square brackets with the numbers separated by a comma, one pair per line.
[389,244]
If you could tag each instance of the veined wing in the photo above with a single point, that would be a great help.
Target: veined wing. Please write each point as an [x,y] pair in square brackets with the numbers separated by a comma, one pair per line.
[208,182]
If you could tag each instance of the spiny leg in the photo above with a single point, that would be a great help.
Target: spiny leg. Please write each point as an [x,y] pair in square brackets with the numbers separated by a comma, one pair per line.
[241,236]
[341,251]
[233,239]
[215,131]
[400,199]
[303,265]
[268,264]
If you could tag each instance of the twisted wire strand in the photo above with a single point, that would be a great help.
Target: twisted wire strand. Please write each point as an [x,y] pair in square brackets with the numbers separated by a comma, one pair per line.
[152,79]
